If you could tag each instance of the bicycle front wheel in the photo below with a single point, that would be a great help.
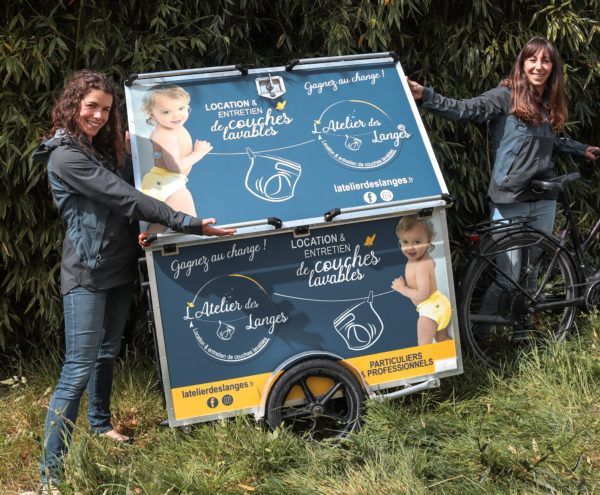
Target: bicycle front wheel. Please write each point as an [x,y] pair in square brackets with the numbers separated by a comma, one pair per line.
[519,291]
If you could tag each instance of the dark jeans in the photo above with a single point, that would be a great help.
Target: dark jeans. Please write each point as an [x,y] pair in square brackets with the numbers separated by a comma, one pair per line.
[94,325]
[510,262]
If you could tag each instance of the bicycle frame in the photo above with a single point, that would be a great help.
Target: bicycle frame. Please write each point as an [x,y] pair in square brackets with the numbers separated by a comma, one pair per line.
[519,226]
[523,285]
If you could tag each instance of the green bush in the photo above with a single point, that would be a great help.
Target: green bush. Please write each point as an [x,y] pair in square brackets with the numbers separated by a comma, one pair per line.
[461,48]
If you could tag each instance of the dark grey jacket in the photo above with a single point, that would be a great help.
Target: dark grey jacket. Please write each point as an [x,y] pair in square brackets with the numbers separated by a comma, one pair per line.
[521,152]
[96,204]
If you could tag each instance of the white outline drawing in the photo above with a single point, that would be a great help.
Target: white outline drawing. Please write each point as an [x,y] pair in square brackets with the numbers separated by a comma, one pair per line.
[274,182]
[225,330]
[360,325]
[352,143]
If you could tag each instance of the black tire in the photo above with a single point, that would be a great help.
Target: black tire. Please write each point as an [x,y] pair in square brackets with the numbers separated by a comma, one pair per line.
[332,411]
[496,337]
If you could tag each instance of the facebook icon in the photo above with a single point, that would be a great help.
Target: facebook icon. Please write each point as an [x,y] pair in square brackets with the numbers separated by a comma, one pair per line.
[370,197]
[212,402]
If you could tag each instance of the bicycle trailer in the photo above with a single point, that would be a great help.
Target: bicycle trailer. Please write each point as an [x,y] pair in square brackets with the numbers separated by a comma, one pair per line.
[294,318]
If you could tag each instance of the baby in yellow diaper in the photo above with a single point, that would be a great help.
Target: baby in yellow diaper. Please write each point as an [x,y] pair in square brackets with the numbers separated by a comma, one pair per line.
[168,108]
[418,284]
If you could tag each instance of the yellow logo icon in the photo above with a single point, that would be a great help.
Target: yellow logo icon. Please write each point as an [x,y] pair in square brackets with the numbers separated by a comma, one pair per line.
[370,240]
[281,105]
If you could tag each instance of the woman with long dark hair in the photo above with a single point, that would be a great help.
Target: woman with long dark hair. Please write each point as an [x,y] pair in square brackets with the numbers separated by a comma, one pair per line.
[90,180]
[524,113]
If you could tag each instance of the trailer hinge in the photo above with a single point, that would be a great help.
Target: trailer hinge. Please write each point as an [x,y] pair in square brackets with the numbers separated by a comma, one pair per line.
[302,231]
[169,249]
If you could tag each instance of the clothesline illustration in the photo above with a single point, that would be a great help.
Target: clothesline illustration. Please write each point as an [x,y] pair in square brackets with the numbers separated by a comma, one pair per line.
[360,325]
[366,298]
[271,178]
[287,296]
[261,151]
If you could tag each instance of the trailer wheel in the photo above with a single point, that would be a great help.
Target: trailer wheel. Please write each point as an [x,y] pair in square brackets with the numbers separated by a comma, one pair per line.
[319,397]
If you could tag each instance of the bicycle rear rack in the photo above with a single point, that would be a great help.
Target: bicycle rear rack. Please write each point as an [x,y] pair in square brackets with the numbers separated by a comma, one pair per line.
[503,226]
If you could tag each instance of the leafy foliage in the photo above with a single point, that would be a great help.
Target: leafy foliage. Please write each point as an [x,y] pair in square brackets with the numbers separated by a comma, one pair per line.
[461,48]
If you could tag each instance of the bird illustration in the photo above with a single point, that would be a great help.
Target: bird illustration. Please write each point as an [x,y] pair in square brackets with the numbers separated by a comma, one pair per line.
[281,105]
[190,304]
[370,240]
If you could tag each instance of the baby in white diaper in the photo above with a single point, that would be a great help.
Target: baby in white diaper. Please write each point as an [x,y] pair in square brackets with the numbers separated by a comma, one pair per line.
[418,284]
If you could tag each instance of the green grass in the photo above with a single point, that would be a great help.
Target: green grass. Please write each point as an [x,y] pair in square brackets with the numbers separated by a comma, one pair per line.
[533,429]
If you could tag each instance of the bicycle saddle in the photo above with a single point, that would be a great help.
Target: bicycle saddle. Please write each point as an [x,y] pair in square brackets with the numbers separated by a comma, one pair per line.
[556,184]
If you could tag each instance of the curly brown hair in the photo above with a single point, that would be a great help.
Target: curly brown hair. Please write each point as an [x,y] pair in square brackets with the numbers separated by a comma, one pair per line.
[526,103]
[109,141]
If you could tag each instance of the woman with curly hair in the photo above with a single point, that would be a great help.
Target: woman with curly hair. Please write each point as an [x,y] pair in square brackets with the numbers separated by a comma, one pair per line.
[90,179]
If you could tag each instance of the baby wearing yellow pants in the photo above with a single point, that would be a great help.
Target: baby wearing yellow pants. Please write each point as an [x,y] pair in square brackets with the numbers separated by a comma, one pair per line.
[418,284]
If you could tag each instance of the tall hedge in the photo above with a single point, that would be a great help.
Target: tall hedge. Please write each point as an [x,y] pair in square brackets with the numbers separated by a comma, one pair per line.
[460,47]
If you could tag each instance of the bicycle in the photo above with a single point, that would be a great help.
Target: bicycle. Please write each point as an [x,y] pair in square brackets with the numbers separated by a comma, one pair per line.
[521,286]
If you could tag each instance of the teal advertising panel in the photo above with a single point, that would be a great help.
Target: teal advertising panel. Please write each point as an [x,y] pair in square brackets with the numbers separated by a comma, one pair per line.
[233,310]
[291,144]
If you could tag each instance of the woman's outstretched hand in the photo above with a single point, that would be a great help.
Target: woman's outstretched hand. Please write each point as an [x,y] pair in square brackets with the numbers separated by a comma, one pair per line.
[415,88]
[592,152]
[145,239]
[208,229]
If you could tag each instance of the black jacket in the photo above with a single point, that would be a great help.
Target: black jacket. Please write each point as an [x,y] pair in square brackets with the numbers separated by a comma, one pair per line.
[521,152]
[97,205]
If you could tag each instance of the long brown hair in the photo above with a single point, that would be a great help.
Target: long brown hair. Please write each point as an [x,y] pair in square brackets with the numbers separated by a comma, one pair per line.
[526,103]
[65,113]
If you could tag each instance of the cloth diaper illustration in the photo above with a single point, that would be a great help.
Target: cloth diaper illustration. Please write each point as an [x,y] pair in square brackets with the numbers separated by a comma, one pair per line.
[271,178]
[352,143]
[225,331]
[360,326]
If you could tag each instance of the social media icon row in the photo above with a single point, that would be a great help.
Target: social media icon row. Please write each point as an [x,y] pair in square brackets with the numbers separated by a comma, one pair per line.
[213,402]
[370,197]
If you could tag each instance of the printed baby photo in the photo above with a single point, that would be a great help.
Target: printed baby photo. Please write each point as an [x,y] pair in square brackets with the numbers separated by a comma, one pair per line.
[168,152]
[420,282]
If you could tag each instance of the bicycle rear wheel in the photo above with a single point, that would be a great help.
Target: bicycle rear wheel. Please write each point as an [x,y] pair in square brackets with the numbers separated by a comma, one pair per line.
[505,307]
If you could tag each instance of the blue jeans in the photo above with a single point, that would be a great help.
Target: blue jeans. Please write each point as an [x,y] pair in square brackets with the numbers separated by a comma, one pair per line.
[94,325]
[510,262]
[544,210]
[545,213]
